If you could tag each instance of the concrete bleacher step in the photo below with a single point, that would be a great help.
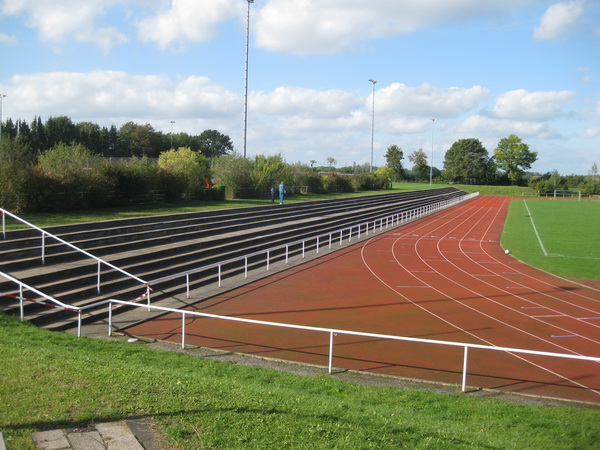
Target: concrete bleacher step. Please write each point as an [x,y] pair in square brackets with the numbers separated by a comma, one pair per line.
[154,247]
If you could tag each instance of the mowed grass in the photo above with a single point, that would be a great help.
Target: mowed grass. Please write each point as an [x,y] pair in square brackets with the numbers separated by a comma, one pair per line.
[567,242]
[52,380]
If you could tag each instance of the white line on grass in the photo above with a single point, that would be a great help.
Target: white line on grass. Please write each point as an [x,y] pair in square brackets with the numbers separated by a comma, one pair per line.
[535,229]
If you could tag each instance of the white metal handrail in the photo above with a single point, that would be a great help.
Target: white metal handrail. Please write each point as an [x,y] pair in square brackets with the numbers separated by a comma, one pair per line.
[389,221]
[62,241]
[334,332]
[398,217]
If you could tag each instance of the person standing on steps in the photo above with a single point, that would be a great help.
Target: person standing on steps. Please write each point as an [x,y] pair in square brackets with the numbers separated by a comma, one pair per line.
[273,193]
[281,192]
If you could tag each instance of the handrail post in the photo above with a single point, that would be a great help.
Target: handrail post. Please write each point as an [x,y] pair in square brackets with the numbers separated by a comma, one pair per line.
[187,285]
[341,237]
[317,245]
[79,323]
[331,352]
[109,318]
[219,275]
[98,282]
[43,248]
[464,377]
[21,305]
[183,331]
[303,247]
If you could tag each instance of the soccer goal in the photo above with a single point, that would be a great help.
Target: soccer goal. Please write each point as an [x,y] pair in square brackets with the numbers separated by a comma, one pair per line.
[558,193]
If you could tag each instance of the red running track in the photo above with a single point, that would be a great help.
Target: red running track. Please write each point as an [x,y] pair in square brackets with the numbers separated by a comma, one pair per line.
[443,277]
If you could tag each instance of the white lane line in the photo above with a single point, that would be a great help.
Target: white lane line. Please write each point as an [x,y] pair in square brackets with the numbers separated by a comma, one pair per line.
[535,229]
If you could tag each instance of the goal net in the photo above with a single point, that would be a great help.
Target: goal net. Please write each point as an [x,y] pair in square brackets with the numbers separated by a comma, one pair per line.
[558,193]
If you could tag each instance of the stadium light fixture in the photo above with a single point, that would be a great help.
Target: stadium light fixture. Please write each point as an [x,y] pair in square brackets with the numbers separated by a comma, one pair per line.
[246,76]
[372,124]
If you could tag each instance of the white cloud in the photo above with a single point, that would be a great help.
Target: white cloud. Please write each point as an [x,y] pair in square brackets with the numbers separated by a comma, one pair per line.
[531,106]
[328,26]
[8,39]
[592,132]
[558,20]
[187,21]
[110,94]
[428,100]
[299,101]
[482,127]
[58,20]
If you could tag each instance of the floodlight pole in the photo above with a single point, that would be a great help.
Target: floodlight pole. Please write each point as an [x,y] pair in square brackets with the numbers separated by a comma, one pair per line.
[431,164]
[172,122]
[246,77]
[372,124]
[1,97]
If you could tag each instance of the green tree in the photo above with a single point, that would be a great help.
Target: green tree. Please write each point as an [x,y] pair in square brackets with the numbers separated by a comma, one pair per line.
[420,166]
[15,160]
[514,156]
[235,173]
[68,162]
[467,161]
[212,144]
[269,170]
[60,129]
[190,167]
[385,175]
[138,140]
[394,157]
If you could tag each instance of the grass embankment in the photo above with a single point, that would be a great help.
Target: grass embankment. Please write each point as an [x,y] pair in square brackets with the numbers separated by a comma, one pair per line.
[52,380]
[558,236]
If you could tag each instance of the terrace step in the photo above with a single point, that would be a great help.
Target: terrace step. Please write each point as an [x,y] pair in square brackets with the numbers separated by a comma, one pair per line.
[151,248]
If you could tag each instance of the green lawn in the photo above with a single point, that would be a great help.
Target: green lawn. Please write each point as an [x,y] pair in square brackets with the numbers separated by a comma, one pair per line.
[52,380]
[567,242]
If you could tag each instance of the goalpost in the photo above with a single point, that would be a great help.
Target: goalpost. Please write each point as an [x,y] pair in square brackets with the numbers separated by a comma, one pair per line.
[565,193]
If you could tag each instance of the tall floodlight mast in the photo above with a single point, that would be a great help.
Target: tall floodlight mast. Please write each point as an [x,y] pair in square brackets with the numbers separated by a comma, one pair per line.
[246,77]
[431,163]
[1,97]
[372,124]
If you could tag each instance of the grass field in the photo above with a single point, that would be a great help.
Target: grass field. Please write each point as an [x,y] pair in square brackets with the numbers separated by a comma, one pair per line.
[558,236]
[53,380]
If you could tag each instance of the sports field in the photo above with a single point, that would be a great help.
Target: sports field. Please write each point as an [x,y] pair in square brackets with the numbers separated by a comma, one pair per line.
[443,277]
[559,236]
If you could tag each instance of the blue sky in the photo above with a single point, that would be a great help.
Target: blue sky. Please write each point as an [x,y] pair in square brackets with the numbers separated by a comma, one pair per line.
[482,69]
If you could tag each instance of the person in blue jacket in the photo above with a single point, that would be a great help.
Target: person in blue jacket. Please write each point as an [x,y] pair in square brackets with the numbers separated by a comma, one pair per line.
[281,192]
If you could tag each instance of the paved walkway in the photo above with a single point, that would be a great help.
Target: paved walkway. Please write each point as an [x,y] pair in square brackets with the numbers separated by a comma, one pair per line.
[123,435]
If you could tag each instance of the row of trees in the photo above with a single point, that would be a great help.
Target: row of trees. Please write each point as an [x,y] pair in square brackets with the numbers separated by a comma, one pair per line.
[551,181]
[131,139]
[468,161]
[72,176]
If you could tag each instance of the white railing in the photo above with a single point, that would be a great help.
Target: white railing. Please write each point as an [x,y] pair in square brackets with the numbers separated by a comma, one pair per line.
[397,218]
[334,332]
[45,234]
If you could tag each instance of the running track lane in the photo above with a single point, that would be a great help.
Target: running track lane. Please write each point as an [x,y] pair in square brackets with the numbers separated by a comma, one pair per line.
[443,277]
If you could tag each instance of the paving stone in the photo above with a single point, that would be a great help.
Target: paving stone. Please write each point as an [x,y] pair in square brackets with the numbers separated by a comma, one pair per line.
[90,440]
[118,436]
[50,440]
